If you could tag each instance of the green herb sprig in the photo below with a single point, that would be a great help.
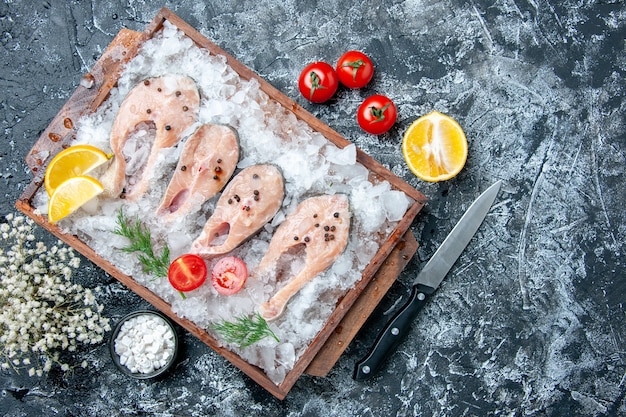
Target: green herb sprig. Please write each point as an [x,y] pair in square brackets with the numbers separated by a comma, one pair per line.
[141,241]
[245,331]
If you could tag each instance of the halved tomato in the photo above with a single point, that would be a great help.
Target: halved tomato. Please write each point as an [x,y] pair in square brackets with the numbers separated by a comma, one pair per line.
[187,272]
[229,275]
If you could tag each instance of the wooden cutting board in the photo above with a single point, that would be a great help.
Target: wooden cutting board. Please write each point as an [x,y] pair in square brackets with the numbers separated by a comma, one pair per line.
[363,306]
[352,309]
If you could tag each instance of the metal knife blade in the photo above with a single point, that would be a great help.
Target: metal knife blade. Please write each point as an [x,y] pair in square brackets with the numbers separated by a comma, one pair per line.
[426,283]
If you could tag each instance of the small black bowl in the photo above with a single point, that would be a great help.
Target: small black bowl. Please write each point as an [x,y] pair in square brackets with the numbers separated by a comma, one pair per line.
[139,375]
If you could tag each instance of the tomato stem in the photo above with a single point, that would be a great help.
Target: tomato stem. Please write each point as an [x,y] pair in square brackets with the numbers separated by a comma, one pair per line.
[315,83]
[379,114]
[355,65]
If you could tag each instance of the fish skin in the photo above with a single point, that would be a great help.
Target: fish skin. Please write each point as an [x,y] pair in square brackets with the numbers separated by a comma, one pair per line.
[237,214]
[154,100]
[308,224]
[207,161]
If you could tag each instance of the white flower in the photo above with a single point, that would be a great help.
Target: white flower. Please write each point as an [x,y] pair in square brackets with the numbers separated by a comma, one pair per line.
[41,311]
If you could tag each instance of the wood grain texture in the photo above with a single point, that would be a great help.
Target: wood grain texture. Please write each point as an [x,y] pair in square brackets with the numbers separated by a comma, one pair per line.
[92,90]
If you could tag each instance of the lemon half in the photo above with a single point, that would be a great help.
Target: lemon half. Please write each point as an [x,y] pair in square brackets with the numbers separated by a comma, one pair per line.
[435,147]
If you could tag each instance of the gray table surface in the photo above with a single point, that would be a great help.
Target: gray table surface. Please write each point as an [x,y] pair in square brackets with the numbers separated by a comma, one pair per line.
[530,320]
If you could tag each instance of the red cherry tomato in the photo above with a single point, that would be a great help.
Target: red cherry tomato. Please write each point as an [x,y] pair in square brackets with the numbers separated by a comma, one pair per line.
[187,272]
[318,82]
[377,114]
[228,275]
[355,69]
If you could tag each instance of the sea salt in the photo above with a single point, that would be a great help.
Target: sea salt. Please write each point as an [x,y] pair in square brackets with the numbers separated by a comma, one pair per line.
[145,343]
[268,133]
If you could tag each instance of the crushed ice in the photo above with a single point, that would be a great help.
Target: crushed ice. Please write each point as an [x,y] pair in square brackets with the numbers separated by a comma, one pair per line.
[268,133]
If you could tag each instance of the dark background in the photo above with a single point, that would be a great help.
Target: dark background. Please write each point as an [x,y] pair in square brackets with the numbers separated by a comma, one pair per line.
[530,320]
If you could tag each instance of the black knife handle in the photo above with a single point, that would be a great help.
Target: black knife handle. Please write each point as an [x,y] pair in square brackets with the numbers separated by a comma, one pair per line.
[393,333]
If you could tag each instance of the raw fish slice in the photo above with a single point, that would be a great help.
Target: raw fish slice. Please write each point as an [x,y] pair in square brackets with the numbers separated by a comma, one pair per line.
[170,104]
[248,202]
[208,160]
[321,225]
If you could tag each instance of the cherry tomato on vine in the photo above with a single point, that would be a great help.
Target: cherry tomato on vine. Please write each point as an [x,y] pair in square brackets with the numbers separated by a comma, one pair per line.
[355,69]
[318,82]
[377,114]
[228,275]
[187,272]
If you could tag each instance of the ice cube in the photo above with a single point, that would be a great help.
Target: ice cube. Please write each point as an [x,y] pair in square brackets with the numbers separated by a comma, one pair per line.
[345,156]
[286,354]
[395,204]
[367,250]
[342,265]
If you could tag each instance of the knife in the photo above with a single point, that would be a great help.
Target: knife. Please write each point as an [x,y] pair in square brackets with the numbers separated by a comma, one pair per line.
[426,283]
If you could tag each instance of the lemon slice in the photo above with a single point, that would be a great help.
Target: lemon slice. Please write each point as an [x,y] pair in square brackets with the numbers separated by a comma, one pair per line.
[73,161]
[435,147]
[72,194]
